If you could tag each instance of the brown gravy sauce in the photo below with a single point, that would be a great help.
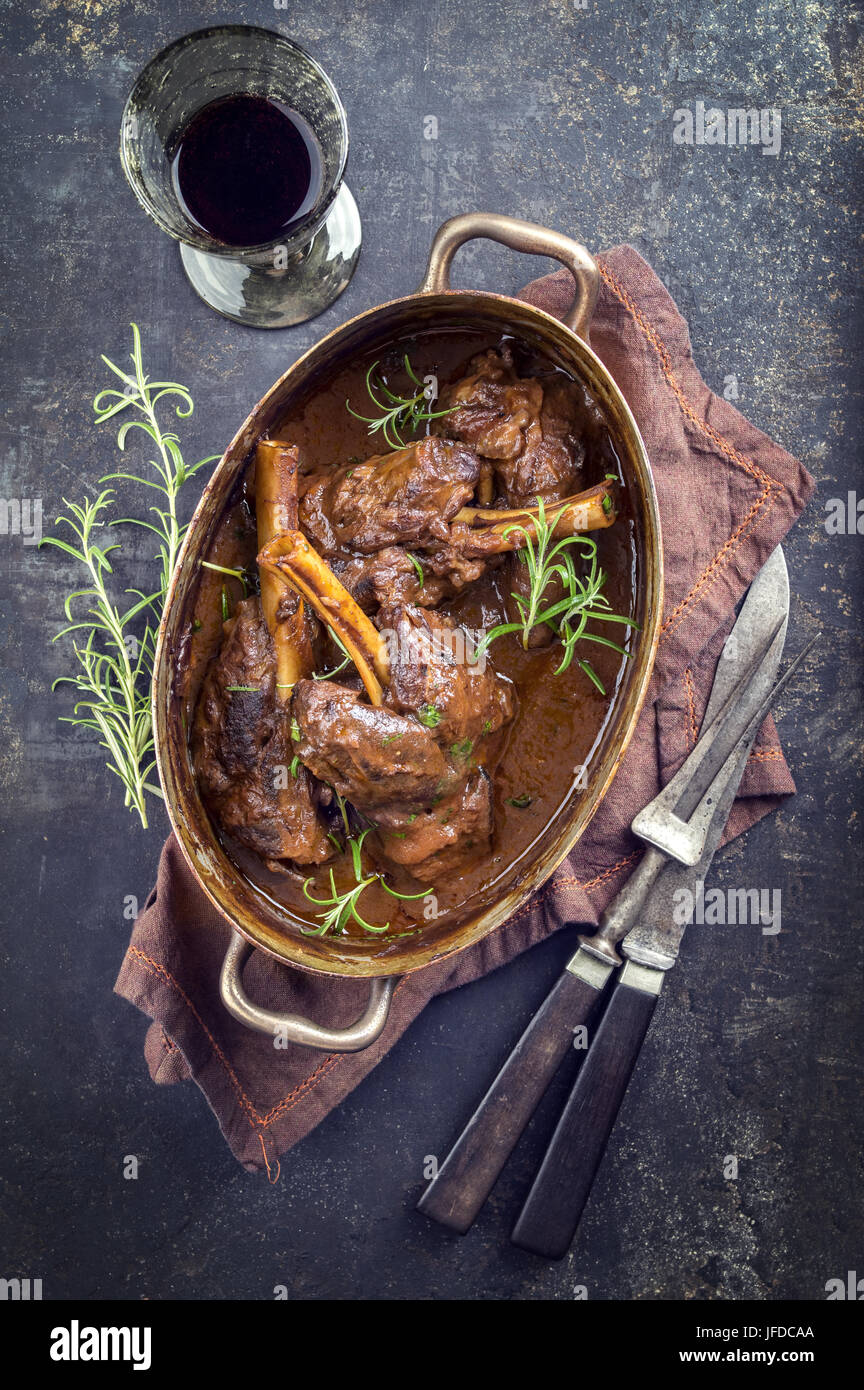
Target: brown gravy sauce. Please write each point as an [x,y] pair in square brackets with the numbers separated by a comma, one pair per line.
[546,752]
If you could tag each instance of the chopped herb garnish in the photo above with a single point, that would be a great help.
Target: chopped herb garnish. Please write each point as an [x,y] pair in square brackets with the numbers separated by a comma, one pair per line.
[295,765]
[418,567]
[520,801]
[429,715]
[226,612]
[325,675]
[222,569]
[462,749]
[295,731]
[196,625]
[244,687]
[487,726]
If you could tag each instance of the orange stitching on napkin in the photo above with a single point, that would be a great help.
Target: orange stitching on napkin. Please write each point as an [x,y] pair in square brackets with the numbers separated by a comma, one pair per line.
[762,754]
[327,1065]
[270,1177]
[712,572]
[771,489]
[308,1084]
[156,968]
[601,878]
[691,705]
[312,1080]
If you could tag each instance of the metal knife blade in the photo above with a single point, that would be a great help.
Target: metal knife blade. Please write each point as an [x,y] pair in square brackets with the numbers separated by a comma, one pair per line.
[766,600]
[764,611]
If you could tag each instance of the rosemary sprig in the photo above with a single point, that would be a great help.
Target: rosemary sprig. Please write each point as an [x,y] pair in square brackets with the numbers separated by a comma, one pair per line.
[171,471]
[114,661]
[113,683]
[341,908]
[582,598]
[399,414]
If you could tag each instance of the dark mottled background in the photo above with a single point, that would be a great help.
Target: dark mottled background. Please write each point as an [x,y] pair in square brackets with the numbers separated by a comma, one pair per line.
[551,112]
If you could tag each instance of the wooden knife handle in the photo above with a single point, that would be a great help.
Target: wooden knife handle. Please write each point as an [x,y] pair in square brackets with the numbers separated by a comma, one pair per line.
[551,1213]
[469,1171]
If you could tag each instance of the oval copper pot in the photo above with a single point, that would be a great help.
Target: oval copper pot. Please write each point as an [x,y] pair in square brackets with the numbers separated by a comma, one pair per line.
[257,920]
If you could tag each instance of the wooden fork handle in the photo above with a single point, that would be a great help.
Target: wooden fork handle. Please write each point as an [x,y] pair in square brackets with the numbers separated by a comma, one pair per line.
[554,1205]
[469,1171]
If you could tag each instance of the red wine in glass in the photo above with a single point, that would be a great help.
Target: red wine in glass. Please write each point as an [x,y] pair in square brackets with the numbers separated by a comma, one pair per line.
[246,169]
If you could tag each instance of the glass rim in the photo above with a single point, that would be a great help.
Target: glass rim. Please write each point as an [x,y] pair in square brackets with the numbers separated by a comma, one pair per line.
[307,226]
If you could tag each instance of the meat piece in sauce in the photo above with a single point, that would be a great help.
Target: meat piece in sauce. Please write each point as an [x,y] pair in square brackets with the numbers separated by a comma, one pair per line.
[549,469]
[491,409]
[434,840]
[242,750]
[534,430]
[428,811]
[392,499]
[410,764]
[393,575]
[531,428]
[368,753]
[390,575]
[432,677]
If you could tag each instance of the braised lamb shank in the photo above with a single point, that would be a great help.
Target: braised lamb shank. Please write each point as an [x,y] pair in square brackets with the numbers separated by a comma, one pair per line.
[409,759]
[533,434]
[241,749]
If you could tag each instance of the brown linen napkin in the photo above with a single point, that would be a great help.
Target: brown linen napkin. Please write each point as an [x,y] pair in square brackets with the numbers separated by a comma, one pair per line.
[727,495]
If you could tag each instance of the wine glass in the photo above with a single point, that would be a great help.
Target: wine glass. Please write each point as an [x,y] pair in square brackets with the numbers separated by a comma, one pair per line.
[305,267]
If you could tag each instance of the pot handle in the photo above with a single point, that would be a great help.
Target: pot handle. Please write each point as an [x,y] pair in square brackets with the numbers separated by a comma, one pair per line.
[293,1027]
[528,237]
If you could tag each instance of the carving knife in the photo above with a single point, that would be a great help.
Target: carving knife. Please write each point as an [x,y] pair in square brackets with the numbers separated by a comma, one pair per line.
[554,1205]
[467,1175]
